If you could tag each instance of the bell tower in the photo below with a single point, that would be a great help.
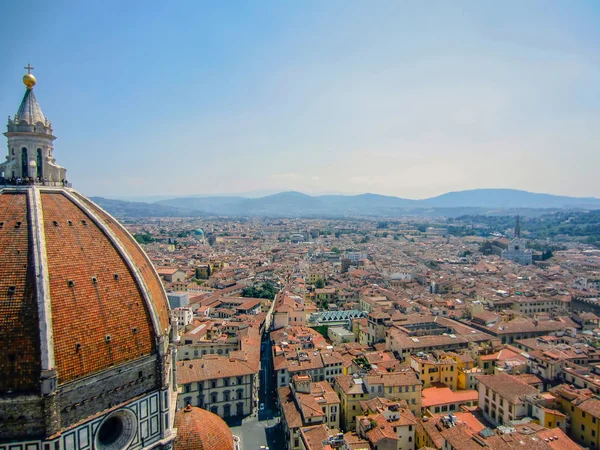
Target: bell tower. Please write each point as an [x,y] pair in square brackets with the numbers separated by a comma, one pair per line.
[30,141]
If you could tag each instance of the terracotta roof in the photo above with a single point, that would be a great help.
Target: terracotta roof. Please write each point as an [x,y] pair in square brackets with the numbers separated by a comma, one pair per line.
[141,260]
[507,386]
[292,416]
[213,368]
[444,395]
[591,406]
[19,324]
[93,321]
[198,429]
[314,436]
[408,378]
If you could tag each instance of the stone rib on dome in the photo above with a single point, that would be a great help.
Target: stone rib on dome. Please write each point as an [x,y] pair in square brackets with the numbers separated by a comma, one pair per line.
[30,110]
[198,429]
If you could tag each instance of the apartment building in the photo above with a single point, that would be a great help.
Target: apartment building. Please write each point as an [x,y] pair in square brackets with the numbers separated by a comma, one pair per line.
[395,386]
[305,403]
[433,369]
[226,388]
[503,398]
[387,424]
[583,410]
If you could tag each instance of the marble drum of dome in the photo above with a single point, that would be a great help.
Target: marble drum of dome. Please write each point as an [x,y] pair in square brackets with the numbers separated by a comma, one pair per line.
[86,346]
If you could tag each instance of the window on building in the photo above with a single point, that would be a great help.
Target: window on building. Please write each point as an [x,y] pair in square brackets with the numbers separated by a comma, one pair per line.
[39,163]
[213,384]
[24,163]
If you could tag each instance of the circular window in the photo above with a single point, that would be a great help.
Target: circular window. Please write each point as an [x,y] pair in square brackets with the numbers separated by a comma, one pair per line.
[516,247]
[116,431]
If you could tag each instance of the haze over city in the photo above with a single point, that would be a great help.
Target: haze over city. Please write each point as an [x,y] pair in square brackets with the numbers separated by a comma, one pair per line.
[405,99]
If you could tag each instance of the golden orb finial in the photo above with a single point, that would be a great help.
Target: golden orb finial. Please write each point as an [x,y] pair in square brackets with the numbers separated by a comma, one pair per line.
[28,79]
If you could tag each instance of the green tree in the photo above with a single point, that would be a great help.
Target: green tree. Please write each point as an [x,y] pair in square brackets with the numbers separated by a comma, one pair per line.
[143,238]
[319,284]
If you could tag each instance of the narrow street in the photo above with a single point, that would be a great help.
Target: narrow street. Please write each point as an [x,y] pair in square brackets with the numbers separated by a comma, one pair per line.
[262,428]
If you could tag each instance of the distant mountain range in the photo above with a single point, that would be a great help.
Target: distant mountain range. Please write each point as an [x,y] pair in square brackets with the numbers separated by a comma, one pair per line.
[296,204]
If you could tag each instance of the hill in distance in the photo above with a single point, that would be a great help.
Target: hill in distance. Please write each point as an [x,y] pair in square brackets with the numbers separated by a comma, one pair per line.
[296,204]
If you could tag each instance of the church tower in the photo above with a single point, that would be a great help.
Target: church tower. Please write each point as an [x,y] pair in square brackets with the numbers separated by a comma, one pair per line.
[30,141]
[517,250]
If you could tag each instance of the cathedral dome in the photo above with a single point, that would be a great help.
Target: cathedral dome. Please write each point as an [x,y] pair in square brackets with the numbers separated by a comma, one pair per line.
[75,287]
[85,344]
[198,429]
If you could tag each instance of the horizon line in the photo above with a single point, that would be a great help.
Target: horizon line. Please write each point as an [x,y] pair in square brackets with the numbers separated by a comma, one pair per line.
[248,195]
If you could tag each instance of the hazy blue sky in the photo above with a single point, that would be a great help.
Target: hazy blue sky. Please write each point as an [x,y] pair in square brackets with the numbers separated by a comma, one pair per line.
[402,98]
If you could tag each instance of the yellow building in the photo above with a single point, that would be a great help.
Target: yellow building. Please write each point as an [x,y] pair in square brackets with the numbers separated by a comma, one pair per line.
[324,296]
[351,391]
[314,276]
[467,371]
[431,370]
[391,386]
[583,408]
